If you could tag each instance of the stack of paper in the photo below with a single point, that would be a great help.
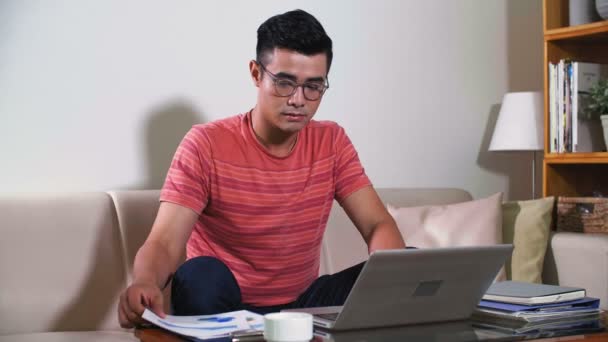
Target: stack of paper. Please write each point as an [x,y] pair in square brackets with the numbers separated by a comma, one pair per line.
[584,324]
[209,326]
[524,307]
[537,313]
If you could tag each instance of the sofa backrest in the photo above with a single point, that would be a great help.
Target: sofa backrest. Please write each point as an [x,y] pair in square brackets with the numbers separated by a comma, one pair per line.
[343,246]
[65,258]
[136,211]
[61,263]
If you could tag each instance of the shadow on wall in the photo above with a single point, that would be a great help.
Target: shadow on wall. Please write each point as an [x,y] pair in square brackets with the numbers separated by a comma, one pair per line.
[164,130]
[525,45]
[525,73]
[516,166]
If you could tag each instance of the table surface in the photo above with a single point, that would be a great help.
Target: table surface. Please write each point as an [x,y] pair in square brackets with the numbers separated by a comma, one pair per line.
[450,331]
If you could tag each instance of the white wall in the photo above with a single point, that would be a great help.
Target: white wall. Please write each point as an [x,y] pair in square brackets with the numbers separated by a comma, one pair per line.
[96,95]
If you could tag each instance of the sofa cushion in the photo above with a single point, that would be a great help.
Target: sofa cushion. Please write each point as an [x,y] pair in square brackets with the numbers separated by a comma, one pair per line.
[526,224]
[472,223]
[343,246]
[462,224]
[61,263]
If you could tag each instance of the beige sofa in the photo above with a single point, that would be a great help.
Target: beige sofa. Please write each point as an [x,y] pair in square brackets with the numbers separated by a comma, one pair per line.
[64,258]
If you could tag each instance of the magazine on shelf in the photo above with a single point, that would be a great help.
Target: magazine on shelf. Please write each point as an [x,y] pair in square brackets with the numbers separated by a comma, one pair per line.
[569,83]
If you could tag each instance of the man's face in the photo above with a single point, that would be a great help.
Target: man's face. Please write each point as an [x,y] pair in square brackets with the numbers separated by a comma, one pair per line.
[288,114]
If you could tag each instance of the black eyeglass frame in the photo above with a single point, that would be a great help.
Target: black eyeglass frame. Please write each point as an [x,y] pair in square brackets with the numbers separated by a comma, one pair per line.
[295,85]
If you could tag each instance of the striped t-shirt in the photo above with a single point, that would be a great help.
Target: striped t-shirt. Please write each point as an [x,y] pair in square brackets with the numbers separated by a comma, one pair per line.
[263,216]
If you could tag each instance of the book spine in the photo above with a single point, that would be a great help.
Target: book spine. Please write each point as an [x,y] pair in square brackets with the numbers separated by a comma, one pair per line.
[560,106]
[575,107]
[552,108]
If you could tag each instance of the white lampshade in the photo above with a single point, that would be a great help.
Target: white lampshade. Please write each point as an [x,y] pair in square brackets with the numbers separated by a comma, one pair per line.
[520,123]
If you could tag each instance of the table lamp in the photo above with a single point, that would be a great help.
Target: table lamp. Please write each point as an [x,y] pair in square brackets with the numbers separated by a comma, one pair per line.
[520,126]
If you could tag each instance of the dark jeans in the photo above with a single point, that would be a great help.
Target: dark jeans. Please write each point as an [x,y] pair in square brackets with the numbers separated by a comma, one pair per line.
[205,285]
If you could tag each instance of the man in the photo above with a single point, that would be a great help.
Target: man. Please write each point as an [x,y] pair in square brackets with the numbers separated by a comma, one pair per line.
[249,196]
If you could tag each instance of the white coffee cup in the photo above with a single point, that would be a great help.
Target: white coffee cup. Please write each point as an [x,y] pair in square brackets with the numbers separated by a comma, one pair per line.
[288,327]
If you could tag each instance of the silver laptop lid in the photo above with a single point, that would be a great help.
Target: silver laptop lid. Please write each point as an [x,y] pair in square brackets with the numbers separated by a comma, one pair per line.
[411,286]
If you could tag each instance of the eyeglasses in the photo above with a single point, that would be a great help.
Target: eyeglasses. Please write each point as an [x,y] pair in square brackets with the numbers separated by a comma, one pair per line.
[285,87]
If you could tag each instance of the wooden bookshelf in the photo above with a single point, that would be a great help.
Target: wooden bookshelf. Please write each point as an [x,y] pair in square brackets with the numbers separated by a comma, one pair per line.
[584,33]
[571,174]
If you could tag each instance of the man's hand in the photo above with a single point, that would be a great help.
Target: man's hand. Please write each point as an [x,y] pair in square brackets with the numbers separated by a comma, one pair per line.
[155,261]
[135,299]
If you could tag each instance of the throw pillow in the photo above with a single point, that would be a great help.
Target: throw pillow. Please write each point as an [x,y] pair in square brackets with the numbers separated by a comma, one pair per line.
[471,223]
[527,224]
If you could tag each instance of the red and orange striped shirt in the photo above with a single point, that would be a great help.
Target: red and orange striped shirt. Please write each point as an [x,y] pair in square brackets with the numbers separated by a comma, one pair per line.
[263,216]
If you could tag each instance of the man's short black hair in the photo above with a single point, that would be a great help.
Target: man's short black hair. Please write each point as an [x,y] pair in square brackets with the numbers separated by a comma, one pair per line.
[294,30]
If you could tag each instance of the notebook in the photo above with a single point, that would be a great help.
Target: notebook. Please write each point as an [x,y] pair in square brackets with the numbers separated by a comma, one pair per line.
[516,292]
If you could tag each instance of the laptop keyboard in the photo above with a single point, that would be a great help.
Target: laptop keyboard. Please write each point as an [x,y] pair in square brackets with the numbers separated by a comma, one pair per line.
[328,316]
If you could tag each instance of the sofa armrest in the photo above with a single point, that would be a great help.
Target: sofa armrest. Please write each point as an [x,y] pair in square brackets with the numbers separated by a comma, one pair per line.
[575,259]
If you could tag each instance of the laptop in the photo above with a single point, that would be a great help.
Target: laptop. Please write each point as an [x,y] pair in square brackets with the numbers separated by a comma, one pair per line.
[412,286]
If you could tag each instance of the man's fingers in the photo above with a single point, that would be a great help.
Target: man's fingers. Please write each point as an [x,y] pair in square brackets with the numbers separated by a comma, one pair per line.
[134,303]
[131,315]
[122,319]
[157,306]
[124,306]
[135,300]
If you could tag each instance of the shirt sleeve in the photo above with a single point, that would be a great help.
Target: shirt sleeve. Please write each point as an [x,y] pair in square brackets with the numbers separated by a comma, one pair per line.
[187,182]
[349,173]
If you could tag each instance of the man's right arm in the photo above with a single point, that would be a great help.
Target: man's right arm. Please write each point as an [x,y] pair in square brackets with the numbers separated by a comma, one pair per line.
[156,261]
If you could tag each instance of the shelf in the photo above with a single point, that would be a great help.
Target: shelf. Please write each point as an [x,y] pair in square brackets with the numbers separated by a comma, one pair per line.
[581,33]
[577,158]
[567,178]
[572,174]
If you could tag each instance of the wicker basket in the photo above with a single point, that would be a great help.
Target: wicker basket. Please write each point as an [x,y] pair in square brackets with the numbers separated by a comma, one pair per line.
[582,214]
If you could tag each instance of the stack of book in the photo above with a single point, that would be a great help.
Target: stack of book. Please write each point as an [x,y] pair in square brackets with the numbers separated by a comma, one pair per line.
[524,308]
[569,85]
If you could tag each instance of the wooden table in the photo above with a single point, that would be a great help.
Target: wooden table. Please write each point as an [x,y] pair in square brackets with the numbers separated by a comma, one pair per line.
[156,335]
[159,335]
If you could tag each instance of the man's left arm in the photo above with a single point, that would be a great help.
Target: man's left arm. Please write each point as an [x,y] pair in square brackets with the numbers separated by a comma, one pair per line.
[376,225]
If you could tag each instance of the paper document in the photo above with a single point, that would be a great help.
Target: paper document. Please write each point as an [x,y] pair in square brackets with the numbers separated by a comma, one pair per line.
[533,316]
[208,326]
[583,303]
[591,321]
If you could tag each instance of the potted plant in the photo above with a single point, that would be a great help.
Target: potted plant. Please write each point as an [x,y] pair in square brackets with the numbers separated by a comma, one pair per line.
[598,104]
